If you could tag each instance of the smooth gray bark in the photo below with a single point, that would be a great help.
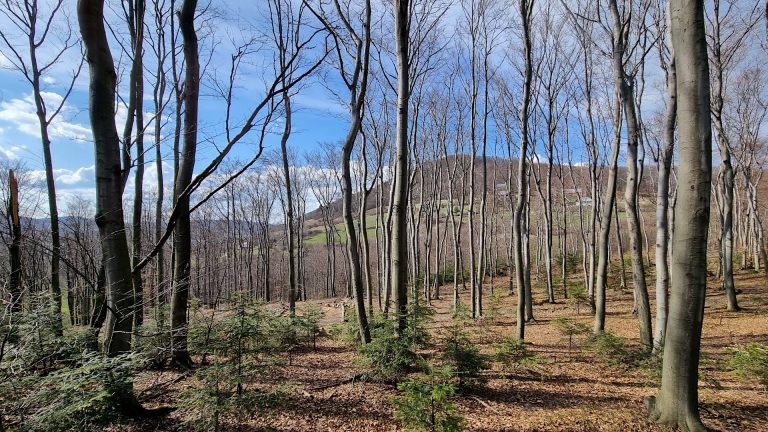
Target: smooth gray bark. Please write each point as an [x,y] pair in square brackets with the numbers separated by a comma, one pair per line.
[677,403]
[662,208]
[399,266]
[605,224]
[521,267]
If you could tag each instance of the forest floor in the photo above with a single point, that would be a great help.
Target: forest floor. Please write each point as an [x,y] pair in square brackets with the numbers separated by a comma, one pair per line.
[568,390]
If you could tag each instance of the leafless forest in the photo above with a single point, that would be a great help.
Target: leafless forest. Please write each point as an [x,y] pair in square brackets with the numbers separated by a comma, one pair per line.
[384,215]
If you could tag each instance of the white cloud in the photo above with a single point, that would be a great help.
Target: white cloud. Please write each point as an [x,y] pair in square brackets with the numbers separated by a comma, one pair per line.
[21,113]
[49,80]
[11,152]
[4,62]
[83,176]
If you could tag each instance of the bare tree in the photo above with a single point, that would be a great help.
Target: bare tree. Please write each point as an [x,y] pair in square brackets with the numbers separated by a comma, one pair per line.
[728,34]
[285,36]
[182,236]
[109,205]
[135,11]
[41,51]
[353,55]
[624,78]
[664,156]
[399,266]
[677,403]
[526,14]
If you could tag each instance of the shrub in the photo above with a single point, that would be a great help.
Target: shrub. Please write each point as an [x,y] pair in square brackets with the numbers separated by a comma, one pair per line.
[203,406]
[388,354]
[221,394]
[750,362]
[577,296]
[610,348]
[309,323]
[425,403]
[572,261]
[465,358]
[570,328]
[511,351]
[245,345]
[493,307]
[154,342]
[32,343]
[347,331]
[652,363]
[41,368]
[461,313]
[78,397]
[419,315]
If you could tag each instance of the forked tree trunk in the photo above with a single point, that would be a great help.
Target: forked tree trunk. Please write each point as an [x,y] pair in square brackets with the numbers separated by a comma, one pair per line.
[662,209]
[109,186]
[677,403]
[605,224]
[633,221]
[137,86]
[182,240]
[726,179]
[521,267]
[159,98]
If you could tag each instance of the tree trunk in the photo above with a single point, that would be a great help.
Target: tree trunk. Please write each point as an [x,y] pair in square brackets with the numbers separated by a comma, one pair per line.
[137,81]
[14,249]
[349,223]
[40,110]
[108,171]
[726,173]
[522,170]
[605,224]
[289,218]
[677,403]
[399,270]
[182,240]
[159,96]
[662,209]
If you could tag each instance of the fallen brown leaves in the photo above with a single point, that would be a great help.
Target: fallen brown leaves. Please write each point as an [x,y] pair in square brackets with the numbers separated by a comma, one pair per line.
[567,391]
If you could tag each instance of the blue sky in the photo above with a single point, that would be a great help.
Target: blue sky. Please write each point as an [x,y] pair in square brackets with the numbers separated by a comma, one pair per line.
[317,118]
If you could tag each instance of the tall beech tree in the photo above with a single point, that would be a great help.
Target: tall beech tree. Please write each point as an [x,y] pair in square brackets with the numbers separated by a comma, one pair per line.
[109,183]
[520,256]
[355,42]
[677,403]
[664,157]
[283,34]
[399,248]
[182,235]
[624,76]
[135,11]
[729,29]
